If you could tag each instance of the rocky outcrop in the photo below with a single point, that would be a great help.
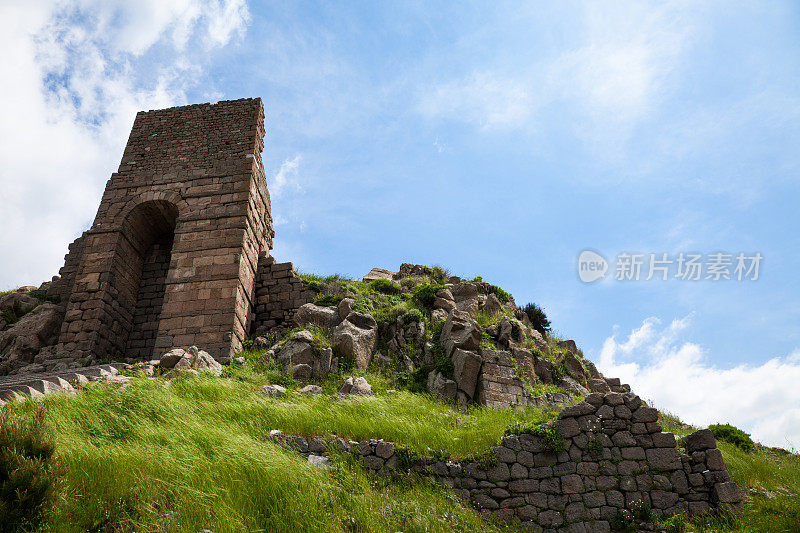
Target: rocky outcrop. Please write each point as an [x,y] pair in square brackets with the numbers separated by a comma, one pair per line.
[460,331]
[379,273]
[23,340]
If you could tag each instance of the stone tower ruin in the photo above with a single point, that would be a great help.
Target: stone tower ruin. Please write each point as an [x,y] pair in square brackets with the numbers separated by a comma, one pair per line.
[172,256]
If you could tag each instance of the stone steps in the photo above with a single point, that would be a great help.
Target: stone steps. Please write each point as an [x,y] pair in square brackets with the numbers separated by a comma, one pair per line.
[38,385]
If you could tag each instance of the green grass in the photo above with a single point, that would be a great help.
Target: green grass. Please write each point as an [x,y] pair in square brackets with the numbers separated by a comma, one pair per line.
[145,457]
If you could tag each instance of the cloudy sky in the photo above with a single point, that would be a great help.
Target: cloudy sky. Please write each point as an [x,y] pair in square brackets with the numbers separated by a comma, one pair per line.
[497,139]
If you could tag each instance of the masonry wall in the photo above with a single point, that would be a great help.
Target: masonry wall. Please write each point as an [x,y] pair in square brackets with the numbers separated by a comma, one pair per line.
[279,293]
[193,173]
[615,459]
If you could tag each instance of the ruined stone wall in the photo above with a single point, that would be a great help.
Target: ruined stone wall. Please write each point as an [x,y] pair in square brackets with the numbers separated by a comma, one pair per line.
[615,458]
[279,293]
[193,174]
[61,287]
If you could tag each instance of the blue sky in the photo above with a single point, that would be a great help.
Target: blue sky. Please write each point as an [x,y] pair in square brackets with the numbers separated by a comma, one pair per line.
[496,139]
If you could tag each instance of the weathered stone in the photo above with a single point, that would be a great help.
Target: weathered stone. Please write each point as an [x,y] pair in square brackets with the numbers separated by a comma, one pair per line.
[311,390]
[460,331]
[273,390]
[319,461]
[379,273]
[699,441]
[467,366]
[441,387]
[384,449]
[356,337]
[726,492]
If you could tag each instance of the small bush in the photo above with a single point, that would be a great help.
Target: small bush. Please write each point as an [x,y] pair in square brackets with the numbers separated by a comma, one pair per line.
[406,458]
[413,315]
[444,365]
[316,286]
[29,474]
[386,286]
[537,317]
[440,275]
[623,523]
[327,300]
[502,295]
[426,294]
[732,435]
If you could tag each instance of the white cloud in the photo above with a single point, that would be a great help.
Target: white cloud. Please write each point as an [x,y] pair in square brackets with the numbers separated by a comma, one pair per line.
[76,74]
[485,98]
[676,376]
[611,76]
[286,178]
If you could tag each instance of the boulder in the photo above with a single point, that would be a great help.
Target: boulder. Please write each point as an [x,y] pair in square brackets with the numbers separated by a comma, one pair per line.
[21,341]
[441,387]
[460,331]
[189,361]
[18,301]
[574,367]
[356,337]
[344,308]
[324,317]
[311,390]
[261,343]
[204,362]
[273,390]
[465,291]
[591,369]
[467,367]
[469,306]
[379,273]
[357,386]
[573,386]
[492,306]
[568,346]
[544,370]
[320,461]
[171,358]
[301,371]
[505,331]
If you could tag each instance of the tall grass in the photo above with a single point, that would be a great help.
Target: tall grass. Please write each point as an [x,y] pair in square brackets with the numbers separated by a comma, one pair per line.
[192,455]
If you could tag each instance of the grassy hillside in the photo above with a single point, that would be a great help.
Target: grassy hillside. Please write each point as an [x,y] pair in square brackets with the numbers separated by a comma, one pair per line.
[191,455]
[145,457]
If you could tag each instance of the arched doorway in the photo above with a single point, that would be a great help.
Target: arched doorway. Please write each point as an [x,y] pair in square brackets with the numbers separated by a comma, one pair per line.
[148,233]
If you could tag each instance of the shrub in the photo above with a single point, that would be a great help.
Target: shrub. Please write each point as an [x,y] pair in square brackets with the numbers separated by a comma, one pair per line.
[440,274]
[444,365]
[732,435]
[537,317]
[29,474]
[316,286]
[502,295]
[413,315]
[406,458]
[426,294]
[386,286]
[327,299]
